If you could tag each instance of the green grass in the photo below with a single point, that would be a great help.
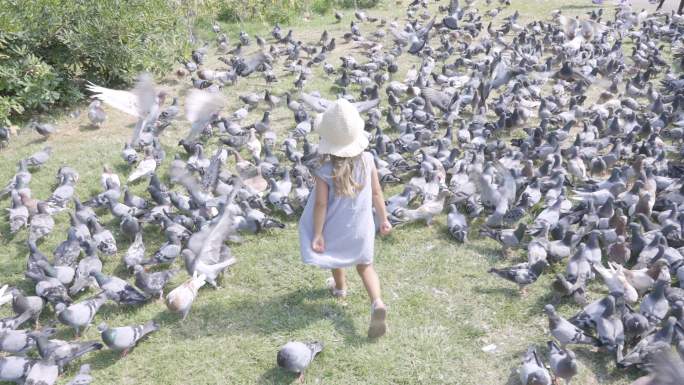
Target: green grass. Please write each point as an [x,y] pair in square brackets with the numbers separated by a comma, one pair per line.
[443,306]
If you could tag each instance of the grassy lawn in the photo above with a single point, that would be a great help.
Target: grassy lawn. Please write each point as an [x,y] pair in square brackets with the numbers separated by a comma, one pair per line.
[444,307]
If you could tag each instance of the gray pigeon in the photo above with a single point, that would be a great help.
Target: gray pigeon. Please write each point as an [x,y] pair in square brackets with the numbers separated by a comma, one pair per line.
[119,290]
[79,315]
[41,223]
[135,253]
[457,224]
[532,371]
[153,283]
[296,356]
[39,158]
[68,251]
[650,347]
[32,304]
[62,352]
[14,369]
[610,330]
[103,238]
[44,129]
[123,339]
[53,291]
[91,262]
[96,114]
[15,322]
[43,372]
[655,306]
[565,332]
[19,341]
[523,274]
[563,362]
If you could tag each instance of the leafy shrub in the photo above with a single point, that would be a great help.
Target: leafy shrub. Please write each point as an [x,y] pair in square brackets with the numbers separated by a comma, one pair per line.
[49,48]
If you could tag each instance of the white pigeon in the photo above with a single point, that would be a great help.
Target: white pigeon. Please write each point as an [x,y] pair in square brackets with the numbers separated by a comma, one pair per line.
[143,102]
[201,107]
[4,296]
[146,167]
[180,299]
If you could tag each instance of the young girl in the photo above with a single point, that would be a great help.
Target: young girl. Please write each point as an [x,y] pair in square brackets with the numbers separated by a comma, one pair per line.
[337,228]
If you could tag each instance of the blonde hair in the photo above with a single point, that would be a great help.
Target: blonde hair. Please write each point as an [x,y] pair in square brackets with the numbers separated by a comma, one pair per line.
[344,174]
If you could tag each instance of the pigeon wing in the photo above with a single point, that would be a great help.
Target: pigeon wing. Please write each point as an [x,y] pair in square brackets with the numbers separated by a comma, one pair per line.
[366,105]
[316,103]
[200,104]
[124,101]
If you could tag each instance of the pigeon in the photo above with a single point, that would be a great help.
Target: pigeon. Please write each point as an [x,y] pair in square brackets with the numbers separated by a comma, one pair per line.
[565,332]
[96,114]
[180,299]
[123,339]
[507,238]
[15,322]
[19,341]
[41,224]
[119,290]
[649,347]
[457,224]
[44,129]
[43,372]
[53,291]
[89,263]
[153,284]
[143,102]
[532,370]
[31,304]
[103,238]
[145,167]
[610,329]
[5,297]
[135,252]
[296,356]
[523,274]
[15,368]
[79,315]
[655,306]
[62,352]
[39,158]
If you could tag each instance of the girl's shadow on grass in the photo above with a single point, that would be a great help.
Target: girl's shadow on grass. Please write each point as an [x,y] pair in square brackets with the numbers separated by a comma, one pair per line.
[291,311]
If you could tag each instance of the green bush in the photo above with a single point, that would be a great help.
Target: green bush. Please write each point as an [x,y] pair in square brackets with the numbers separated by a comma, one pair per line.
[49,48]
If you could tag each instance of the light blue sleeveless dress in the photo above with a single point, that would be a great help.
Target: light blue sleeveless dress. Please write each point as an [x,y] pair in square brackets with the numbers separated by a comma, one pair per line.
[349,229]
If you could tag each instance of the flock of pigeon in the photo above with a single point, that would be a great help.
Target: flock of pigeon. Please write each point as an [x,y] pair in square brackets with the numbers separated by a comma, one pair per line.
[560,138]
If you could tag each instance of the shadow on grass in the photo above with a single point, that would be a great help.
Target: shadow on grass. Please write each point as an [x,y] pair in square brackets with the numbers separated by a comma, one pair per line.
[289,312]
[276,376]
[102,359]
[507,291]
[88,127]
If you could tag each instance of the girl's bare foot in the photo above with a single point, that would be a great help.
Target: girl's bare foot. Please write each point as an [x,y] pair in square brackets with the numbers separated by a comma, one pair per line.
[377,327]
[337,293]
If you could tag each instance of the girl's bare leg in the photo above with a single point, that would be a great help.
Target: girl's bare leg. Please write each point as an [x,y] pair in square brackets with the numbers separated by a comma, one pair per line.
[370,280]
[340,279]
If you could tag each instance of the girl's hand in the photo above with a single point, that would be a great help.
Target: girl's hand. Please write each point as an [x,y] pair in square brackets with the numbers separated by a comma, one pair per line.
[318,244]
[385,227]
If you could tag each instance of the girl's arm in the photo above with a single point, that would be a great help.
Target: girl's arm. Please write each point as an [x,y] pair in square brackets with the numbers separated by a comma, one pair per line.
[379,203]
[320,209]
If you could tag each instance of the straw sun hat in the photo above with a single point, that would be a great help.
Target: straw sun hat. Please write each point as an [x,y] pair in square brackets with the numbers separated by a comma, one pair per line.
[341,130]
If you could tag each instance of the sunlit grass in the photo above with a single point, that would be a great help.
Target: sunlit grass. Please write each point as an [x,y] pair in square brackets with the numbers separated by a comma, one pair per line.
[444,307]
